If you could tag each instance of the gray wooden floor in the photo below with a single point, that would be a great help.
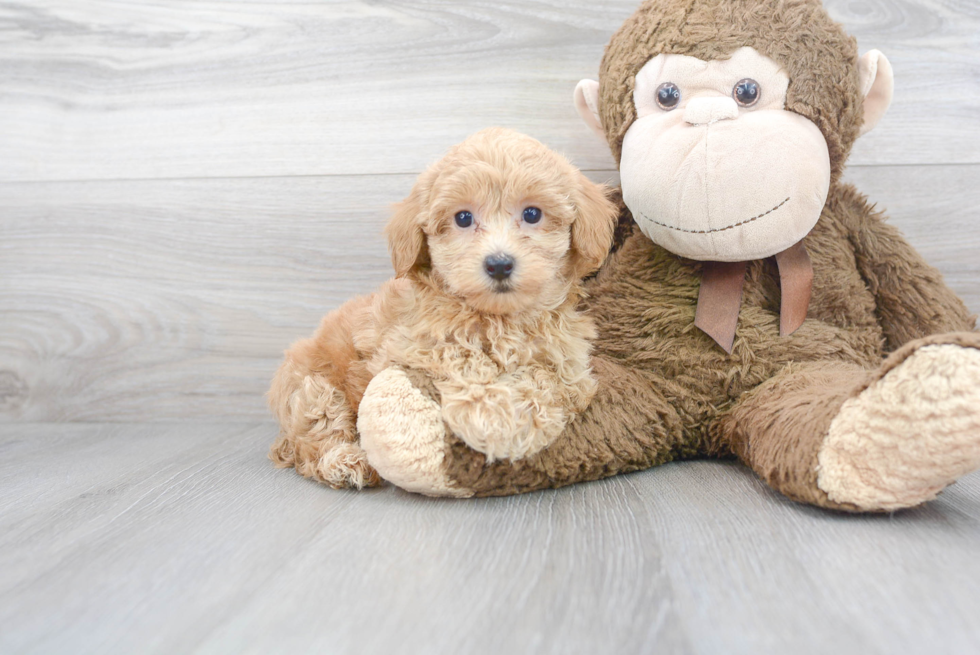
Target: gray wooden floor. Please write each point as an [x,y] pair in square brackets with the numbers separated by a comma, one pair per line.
[187,186]
[124,538]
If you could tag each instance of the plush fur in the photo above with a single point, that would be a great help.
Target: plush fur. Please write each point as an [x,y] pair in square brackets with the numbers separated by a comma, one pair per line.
[509,359]
[667,391]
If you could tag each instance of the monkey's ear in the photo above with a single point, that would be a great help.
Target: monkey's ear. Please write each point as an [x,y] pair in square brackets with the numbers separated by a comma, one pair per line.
[587,105]
[877,87]
[406,240]
[592,231]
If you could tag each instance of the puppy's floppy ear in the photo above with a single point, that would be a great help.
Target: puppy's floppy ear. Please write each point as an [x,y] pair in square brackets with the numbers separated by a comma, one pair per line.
[592,230]
[406,240]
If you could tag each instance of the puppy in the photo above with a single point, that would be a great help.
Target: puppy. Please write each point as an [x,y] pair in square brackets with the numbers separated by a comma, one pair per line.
[489,250]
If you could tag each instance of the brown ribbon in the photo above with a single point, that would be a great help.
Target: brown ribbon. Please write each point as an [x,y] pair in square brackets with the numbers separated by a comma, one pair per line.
[795,287]
[720,296]
[719,300]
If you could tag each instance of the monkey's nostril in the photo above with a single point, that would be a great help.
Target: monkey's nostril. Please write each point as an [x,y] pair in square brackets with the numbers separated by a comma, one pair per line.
[499,267]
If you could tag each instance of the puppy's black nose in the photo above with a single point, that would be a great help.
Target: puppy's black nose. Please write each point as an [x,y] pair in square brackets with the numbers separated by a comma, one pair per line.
[499,267]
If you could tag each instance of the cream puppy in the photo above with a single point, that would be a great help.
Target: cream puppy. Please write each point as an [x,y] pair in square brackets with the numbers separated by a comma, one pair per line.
[489,250]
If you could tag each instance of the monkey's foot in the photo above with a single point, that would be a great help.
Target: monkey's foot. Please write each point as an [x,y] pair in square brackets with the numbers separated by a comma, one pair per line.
[907,436]
[403,435]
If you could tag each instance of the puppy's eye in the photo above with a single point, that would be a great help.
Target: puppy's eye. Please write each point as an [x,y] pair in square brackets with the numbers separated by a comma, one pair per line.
[747,92]
[668,95]
[464,219]
[532,215]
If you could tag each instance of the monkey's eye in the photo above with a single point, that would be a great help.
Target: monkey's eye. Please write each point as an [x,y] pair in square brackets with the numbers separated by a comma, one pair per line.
[668,95]
[464,219]
[747,92]
[532,215]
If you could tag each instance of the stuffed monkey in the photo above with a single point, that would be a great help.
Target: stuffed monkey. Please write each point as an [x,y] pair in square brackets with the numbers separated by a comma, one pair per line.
[760,307]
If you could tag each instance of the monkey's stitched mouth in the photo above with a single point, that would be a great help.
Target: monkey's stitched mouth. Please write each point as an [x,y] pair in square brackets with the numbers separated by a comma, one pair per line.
[717,229]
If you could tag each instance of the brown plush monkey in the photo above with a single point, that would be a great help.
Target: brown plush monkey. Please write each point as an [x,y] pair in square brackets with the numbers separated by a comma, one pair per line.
[731,122]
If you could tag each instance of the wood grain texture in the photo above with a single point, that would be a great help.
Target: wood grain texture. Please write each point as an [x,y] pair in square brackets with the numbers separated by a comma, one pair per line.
[175,299]
[112,89]
[938,210]
[169,300]
[167,539]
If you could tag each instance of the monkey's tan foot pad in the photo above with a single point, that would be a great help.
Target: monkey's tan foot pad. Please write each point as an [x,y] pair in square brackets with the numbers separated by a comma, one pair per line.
[907,436]
[404,437]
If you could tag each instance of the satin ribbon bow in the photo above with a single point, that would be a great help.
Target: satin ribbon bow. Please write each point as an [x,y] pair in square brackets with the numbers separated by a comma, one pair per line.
[720,296]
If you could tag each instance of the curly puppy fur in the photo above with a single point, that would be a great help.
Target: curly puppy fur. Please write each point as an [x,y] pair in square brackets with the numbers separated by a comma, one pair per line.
[509,359]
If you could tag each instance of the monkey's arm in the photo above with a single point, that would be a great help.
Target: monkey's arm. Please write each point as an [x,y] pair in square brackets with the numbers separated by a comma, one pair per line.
[628,426]
[912,299]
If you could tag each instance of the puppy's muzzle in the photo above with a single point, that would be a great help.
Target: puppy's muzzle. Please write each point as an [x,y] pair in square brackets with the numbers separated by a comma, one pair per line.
[499,267]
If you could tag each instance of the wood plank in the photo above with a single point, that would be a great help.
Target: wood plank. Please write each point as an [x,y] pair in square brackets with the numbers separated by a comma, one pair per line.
[149,300]
[938,210]
[933,48]
[183,538]
[167,300]
[114,89]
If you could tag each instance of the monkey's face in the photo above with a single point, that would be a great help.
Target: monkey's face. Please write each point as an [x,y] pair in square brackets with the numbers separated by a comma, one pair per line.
[715,168]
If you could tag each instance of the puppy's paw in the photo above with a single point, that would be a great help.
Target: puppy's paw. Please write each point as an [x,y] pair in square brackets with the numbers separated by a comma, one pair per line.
[319,439]
[346,466]
[403,435]
[907,436]
[502,421]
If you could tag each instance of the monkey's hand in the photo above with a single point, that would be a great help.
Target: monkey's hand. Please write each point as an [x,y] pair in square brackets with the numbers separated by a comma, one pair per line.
[405,422]
[402,432]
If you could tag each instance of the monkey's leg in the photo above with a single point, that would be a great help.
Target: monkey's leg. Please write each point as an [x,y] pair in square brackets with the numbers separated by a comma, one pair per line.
[835,435]
[628,426]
